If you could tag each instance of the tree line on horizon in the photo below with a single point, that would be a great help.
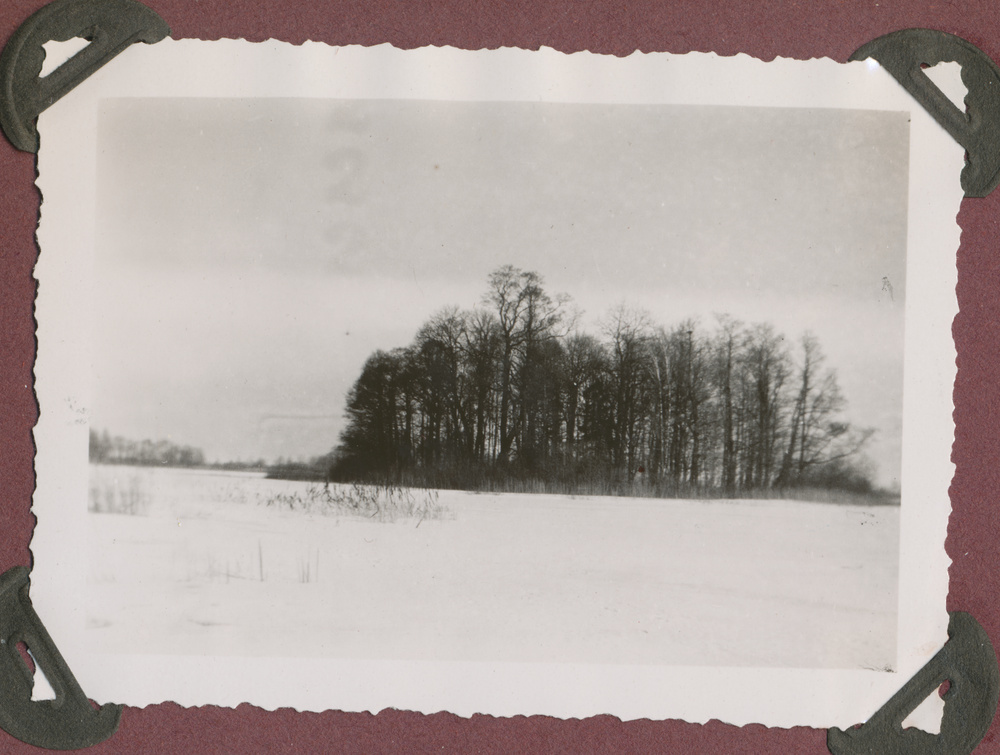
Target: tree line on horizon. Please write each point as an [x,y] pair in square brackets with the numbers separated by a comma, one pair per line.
[106,448]
[116,449]
[512,392]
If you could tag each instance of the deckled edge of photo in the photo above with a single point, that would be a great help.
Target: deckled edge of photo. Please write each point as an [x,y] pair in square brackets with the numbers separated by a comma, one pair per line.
[232,68]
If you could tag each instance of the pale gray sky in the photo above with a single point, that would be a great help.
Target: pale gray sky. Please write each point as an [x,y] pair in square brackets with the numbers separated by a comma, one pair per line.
[252,254]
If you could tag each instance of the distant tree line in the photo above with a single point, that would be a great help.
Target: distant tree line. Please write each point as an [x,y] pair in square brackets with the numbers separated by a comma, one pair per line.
[108,449]
[512,391]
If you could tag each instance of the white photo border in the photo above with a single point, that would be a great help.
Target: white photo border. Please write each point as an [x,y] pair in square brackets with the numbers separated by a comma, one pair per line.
[233,68]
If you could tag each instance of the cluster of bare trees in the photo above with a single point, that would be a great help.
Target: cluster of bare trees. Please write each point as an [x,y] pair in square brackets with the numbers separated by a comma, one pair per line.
[108,449]
[512,390]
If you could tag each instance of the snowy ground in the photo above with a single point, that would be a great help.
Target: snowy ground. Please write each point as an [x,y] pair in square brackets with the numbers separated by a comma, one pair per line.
[203,567]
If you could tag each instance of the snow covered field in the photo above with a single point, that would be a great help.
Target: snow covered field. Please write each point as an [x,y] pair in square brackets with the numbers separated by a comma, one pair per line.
[202,565]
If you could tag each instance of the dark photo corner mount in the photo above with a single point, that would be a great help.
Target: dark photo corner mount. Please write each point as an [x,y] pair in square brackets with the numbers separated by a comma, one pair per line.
[110,26]
[967,662]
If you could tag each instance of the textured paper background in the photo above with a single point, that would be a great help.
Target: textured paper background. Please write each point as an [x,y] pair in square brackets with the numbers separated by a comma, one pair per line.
[764,31]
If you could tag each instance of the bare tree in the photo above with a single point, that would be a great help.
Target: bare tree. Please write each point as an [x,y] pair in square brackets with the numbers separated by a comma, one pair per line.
[482,349]
[583,357]
[728,347]
[765,370]
[525,315]
[817,436]
[440,342]
[629,332]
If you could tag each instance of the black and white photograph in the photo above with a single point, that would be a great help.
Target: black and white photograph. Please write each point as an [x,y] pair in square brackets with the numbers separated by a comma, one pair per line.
[515,381]
[498,381]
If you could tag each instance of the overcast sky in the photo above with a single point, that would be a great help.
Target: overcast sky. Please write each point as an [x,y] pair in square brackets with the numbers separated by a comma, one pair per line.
[252,254]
